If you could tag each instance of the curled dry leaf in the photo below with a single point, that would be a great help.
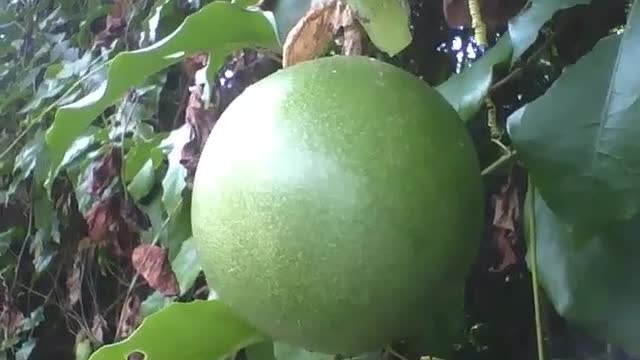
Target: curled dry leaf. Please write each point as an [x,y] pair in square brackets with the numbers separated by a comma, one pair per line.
[115,24]
[105,171]
[506,216]
[10,317]
[192,64]
[129,317]
[495,13]
[312,35]
[201,119]
[74,281]
[152,263]
[116,223]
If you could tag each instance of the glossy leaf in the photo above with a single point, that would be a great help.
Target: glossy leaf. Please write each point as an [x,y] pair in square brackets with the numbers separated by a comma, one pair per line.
[186,266]
[220,25]
[386,22]
[174,181]
[524,28]
[199,330]
[589,276]
[580,140]
[143,182]
[466,91]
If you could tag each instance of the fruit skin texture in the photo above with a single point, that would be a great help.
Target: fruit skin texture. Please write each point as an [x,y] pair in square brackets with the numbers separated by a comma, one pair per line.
[338,205]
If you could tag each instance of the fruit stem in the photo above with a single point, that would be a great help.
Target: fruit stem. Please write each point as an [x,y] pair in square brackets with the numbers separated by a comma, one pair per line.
[531,220]
[498,163]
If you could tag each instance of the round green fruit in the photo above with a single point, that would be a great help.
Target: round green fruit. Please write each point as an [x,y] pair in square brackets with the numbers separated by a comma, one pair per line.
[337,204]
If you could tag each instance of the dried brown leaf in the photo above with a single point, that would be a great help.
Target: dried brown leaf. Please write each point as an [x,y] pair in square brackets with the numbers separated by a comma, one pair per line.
[105,171]
[312,35]
[74,280]
[495,13]
[115,24]
[115,223]
[506,216]
[129,317]
[152,263]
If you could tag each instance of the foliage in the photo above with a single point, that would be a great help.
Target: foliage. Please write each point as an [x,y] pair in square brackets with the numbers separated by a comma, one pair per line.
[105,107]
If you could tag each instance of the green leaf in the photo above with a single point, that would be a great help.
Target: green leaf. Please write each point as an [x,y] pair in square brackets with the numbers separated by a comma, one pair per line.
[138,156]
[386,23]
[143,182]
[6,238]
[285,351]
[199,330]
[580,140]
[154,303]
[466,91]
[287,13]
[260,351]
[588,276]
[186,266]
[524,28]
[174,181]
[219,25]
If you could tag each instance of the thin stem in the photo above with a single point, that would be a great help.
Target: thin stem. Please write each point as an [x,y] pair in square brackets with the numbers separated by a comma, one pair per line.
[531,220]
[498,163]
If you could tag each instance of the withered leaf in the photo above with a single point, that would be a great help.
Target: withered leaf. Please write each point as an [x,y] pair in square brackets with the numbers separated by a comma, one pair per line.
[105,171]
[129,317]
[74,280]
[152,263]
[116,223]
[312,35]
[506,216]
[495,13]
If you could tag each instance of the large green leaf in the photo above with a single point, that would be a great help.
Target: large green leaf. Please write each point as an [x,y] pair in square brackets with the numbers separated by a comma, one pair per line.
[590,277]
[217,26]
[199,330]
[287,13]
[386,23]
[524,28]
[580,140]
[466,91]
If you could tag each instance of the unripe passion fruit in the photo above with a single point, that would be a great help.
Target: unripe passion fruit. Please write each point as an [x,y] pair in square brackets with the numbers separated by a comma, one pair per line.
[335,201]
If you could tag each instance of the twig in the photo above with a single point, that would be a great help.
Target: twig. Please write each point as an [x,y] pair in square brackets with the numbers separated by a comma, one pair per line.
[498,163]
[531,219]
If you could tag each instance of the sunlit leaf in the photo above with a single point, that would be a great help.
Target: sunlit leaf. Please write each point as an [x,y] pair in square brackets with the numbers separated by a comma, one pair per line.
[199,330]
[219,25]
[588,276]
[524,28]
[466,91]
[580,140]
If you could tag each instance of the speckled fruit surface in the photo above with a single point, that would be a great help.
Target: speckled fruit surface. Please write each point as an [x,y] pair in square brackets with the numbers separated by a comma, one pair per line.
[337,203]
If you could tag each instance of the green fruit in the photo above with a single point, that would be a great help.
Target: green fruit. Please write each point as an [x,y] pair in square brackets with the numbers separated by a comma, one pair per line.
[337,205]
